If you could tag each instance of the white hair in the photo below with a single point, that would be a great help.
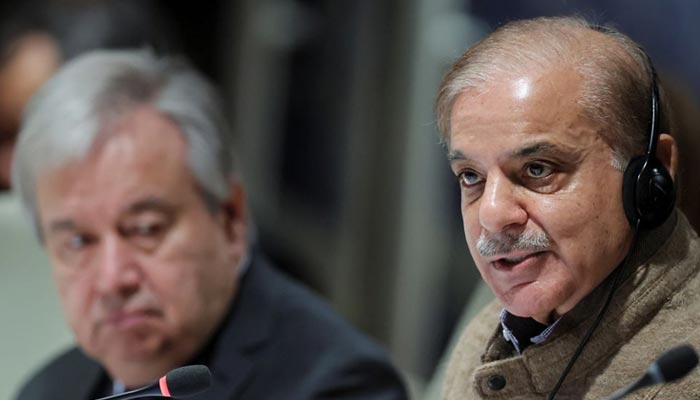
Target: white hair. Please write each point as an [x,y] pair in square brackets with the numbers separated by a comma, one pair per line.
[66,117]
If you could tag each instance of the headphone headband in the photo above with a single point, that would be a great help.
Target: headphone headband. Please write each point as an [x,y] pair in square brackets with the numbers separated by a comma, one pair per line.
[648,191]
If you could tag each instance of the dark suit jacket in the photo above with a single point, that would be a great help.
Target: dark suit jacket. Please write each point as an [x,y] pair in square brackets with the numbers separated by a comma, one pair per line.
[278,341]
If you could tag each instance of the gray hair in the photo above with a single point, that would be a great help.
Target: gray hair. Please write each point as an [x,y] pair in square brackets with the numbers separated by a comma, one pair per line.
[65,118]
[616,72]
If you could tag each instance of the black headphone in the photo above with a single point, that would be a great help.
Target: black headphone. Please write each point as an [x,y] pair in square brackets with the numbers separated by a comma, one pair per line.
[648,193]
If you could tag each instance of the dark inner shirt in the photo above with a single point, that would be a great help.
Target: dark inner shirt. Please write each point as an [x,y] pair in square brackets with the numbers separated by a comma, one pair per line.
[523,329]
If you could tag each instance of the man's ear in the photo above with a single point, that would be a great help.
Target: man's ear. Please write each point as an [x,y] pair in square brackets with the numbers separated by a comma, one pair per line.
[667,153]
[235,214]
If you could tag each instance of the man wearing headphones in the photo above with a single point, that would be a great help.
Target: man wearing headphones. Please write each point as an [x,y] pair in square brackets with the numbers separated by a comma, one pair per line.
[556,133]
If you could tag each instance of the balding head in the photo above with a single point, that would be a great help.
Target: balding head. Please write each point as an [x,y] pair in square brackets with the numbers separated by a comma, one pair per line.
[615,72]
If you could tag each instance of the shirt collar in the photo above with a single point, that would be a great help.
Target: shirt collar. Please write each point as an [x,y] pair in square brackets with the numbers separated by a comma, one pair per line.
[118,387]
[511,330]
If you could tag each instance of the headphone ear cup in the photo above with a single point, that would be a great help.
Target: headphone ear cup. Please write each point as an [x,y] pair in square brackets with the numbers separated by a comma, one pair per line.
[629,189]
[648,192]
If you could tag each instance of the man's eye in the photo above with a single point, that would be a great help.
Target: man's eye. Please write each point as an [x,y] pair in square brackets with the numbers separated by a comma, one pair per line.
[77,242]
[147,234]
[538,170]
[147,229]
[469,178]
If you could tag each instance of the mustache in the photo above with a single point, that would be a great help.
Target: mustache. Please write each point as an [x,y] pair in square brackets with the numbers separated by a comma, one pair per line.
[502,243]
[110,304]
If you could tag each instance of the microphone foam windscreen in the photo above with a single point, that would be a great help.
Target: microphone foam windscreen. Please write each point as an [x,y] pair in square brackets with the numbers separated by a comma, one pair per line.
[189,380]
[677,362]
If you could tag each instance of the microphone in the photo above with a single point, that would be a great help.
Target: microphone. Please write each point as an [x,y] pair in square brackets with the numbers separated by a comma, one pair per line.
[180,382]
[672,365]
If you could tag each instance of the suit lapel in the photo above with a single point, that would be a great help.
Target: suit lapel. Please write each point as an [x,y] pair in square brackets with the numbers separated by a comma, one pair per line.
[245,332]
[82,379]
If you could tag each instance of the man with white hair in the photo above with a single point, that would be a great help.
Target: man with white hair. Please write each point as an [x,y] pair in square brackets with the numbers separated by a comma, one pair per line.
[558,136]
[125,164]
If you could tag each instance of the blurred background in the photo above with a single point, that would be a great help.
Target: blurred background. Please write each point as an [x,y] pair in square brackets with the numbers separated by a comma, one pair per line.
[331,107]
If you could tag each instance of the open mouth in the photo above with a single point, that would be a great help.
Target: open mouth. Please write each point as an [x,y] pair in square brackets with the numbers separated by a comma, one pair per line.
[514,260]
[510,262]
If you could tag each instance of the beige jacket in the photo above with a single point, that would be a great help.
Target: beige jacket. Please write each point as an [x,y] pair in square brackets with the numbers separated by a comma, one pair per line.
[656,307]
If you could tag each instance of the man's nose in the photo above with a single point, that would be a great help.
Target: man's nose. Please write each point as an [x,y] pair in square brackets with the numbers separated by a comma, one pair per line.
[118,272]
[500,206]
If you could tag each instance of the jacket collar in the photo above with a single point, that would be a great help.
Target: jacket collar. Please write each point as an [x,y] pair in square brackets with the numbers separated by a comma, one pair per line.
[230,355]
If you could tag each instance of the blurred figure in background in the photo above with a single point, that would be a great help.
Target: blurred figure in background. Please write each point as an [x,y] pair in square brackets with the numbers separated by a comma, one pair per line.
[124,162]
[36,37]
[26,62]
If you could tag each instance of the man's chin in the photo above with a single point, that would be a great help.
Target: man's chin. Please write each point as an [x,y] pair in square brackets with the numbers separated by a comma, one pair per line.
[542,316]
[525,306]
[130,349]
[532,299]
